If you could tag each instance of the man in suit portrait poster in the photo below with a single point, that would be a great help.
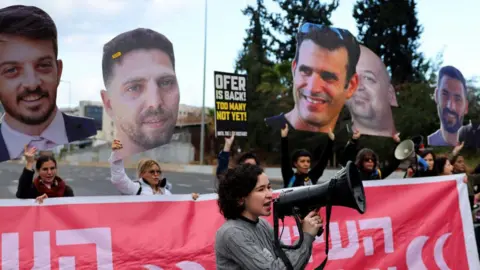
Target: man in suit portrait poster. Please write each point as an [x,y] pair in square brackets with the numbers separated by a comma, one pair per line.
[30,73]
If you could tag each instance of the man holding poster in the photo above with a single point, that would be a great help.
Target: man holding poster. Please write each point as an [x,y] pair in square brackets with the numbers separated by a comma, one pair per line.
[324,77]
[142,95]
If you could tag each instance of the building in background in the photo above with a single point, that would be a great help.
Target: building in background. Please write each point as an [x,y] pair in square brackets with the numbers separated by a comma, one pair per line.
[92,109]
[70,111]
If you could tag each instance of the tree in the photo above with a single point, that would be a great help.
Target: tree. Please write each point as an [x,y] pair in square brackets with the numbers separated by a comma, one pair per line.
[391,30]
[286,24]
[253,61]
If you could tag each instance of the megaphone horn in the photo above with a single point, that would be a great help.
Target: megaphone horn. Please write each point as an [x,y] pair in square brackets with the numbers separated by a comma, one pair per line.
[405,150]
[347,191]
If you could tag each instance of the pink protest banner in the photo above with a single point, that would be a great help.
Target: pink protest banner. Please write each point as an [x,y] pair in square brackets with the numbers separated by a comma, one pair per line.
[409,224]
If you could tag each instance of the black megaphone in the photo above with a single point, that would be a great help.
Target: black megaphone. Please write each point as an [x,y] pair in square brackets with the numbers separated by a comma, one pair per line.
[344,189]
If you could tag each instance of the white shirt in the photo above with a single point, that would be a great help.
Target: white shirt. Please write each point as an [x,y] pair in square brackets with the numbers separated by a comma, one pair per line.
[55,134]
[125,185]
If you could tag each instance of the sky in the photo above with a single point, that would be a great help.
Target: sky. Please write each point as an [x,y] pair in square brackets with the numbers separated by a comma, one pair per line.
[84,26]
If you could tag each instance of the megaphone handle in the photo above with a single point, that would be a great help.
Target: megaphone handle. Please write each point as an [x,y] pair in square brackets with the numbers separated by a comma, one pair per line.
[296,215]
[331,186]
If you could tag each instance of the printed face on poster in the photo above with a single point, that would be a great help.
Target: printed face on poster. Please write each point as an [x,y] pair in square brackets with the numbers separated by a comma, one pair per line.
[30,76]
[451,98]
[141,93]
[370,105]
[324,78]
[230,104]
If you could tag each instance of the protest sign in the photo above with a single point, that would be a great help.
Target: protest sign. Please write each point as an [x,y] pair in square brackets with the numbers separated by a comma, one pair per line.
[230,104]
[421,223]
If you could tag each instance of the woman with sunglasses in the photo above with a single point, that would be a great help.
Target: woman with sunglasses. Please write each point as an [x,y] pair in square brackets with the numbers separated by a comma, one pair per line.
[149,173]
[367,161]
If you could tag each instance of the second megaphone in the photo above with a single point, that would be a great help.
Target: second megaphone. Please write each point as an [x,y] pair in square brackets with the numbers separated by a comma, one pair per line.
[345,190]
[406,151]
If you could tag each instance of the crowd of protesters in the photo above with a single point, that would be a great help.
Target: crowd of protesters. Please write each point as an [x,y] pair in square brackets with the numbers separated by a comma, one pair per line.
[246,184]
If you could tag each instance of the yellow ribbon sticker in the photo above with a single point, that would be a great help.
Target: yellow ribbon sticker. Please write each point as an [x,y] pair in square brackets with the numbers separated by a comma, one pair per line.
[116,55]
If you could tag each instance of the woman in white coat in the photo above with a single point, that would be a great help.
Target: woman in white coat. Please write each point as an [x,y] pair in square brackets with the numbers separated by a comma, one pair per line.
[150,180]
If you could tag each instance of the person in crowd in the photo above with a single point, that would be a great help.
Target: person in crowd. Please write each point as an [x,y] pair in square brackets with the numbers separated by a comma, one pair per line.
[149,174]
[224,157]
[458,167]
[367,161]
[443,166]
[245,241]
[301,162]
[47,184]
[429,157]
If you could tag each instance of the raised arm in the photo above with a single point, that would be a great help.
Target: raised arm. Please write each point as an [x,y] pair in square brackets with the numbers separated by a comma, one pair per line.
[26,189]
[118,175]
[393,162]
[456,150]
[317,170]
[224,156]
[351,149]
[287,170]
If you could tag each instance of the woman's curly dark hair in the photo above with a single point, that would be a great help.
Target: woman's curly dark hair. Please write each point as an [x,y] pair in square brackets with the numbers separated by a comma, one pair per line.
[236,184]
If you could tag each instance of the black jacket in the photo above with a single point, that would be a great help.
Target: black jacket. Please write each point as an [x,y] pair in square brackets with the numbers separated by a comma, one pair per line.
[27,190]
[77,128]
[323,152]
[380,172]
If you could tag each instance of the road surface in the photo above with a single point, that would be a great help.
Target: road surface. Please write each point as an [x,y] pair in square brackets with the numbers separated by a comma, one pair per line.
[95,181]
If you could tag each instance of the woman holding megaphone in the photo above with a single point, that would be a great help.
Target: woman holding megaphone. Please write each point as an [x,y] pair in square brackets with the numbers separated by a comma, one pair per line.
[245,241]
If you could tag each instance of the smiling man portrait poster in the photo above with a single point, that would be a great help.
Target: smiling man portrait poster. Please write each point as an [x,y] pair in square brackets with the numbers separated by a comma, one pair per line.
[324,78]
[370,106]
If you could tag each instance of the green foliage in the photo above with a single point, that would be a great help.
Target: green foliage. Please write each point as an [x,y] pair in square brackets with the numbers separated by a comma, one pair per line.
[417,114]
[286,23]
[391,30]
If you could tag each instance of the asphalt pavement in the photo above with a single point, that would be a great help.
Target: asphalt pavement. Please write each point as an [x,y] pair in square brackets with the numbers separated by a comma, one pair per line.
[95,181]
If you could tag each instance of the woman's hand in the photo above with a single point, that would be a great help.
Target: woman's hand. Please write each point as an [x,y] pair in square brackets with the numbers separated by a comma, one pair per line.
[40,199]
[228,143]
[331,135]
[457,149]
[29,154]
[195,196]
[284,131]
[356,135]
[312,223]
[396,137]
[116,145]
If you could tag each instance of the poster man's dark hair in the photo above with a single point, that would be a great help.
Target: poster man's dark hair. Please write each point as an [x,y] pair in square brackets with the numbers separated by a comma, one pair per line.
[28,22]
[137,39]
[453,73]
[331,39]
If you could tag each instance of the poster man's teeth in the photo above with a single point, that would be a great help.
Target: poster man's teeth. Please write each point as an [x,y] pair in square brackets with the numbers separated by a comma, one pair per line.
[314,101]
